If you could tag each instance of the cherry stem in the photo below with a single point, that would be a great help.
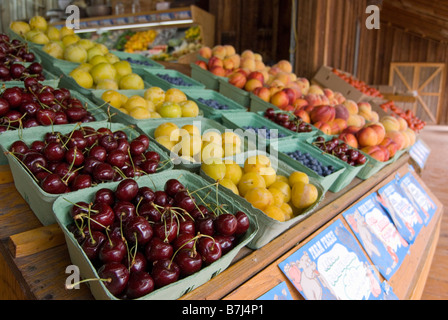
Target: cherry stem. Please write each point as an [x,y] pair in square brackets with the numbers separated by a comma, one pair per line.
[71,286]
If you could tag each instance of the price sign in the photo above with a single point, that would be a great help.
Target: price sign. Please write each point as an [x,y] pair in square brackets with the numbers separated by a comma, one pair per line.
[419,153]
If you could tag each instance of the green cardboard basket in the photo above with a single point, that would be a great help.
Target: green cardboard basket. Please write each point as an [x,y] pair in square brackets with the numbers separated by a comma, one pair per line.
[241,96]
[243,119]
[205,125]
[121,117]
[347,176]
[205,77]
[270,228]
[156,81]
[327,182]
[51,80]
[210,112]
[182,286]
[40,201]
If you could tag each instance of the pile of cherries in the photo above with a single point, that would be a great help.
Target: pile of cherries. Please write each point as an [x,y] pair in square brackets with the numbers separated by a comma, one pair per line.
[39,105]
[140,239]
[13,54]
[288,121]
[341,150]
[62,163]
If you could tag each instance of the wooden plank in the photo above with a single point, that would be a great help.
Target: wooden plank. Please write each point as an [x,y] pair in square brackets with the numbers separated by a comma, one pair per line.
[5,174]
[34,241]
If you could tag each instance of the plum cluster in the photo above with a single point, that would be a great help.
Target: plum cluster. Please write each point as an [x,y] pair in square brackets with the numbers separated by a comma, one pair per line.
[141,239]
[265,132]
[312,163]
[212,103]
[61,163]
[178,81]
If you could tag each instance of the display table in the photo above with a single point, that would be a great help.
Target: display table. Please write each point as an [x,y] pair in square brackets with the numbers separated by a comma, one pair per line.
[33,259]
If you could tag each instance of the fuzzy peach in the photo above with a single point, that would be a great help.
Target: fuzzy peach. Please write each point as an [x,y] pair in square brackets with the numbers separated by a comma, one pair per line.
[252,84]
[351,106]
[398,137]
[238,79]
[367,137]
[390,123]
[350,139]
[323,114]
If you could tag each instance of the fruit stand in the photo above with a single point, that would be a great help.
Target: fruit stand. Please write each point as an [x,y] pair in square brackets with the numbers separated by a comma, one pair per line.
[58,203]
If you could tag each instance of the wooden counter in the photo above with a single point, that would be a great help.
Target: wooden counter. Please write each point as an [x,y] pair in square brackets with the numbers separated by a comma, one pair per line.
[30,271]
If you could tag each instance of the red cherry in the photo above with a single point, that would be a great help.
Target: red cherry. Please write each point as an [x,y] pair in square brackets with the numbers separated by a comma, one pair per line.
[226,224]
[243,223]
[117,275]
[104,195]
[82,181]
[189,261]
[138,263]
[139,285]
[157,249]
[138,230]
[112,250]
[165,272]
[127,190]
[92,244]
[53,184]
[209,249]
[101,216]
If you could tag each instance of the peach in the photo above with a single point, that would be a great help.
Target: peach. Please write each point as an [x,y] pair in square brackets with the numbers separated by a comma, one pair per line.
[304,84]
[242,71]
[218,71]
[248,64]
[350,139]
[339,97]
[285,78]
[215,61]
[258,57]
[324,99]
[403,124]
[313,99]
[367,137]
[292,95]
[374,116]
[341,112]
[341,123]
[351,129]
[367,115]
[236,60]
[238,80]
[300,103]
[219,51]
[285,66]
[356,120]
[259,65]
[380,131]
[398,137]
[390,123]
[294,86]
[412,136]
[314,88]
[248,54]
[228,64]
[274,89]
[205,52]
[302,114]
[263,93]
[252,84]
[391,146]
[329,93]
[202,64]
[230,50]
[256,75]
[280,99]
[379,153]
[323,114]
[323,126]
[365,106]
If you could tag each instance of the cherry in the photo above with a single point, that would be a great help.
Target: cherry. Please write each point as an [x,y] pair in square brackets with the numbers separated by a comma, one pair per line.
[226,242]
[46,97]
[139,285]
[16,70]
[127,190]
[35,68]
[77,140]
[108,142]
[99,153]
[80,208]
[184,241]
[124,211]
[144,139]
[150,167]
[4,107]
[243,223]
[74,156]
[104,195]
[35,162]
[209,249]
[138,263]
[137,147]
[152,156]
[145,194]
[138,229]
[189,261]
[173,186]
[89,164]
[92,244]
[166,230]
[19,147]
[53,184]
[101,216]
[117,276]
[187,226]
[53,136]
[30,108]
[103,172]
[226,224]
[112,250]
[116,158]
[38,146]
[165,272]
[157,249]
[75,114]
[12,118]
[123,146]
[65,172]
[205,225]
[160,198]
[149,212]
[183,200]
[82,181]
[45,116]
[200,211]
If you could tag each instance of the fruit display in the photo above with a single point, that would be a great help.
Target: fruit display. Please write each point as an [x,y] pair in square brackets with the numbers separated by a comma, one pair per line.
[358,84]
[153,103]
[341,150]
[38,105]
[189,143]
[141,239]
[280,197]
[85,157]
[414,123]
[288,120]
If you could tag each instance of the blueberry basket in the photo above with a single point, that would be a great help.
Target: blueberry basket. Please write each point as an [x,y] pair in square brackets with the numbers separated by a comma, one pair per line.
[167,79]
[138,61]
[213,104]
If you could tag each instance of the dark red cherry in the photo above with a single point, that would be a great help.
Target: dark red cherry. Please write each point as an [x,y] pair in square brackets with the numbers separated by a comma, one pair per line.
[189,261]
[99,153]
[184,241]
[103,172]
[92,244]
[137,263]
[137,147]
[101,216]
[53,184]
[112,250]
[173,186]
[149,212]
[165,272]
[227,243]
[124,211]
[81,181]
[138,229]
[185,201]
[74,157]
[117,276]
[149,167]
[35,162]
[127,190]
[209,249]
[145,194]
[243,223]
[166,230]
[205,225]
[153,156]
[157,249]
[140,284]
[104,195]
[116,158]
[226,224]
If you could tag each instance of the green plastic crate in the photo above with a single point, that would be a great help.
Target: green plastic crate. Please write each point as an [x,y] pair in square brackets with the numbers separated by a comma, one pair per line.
[243,119]
[241,96]
[270,228]
[210,112]
[141,59]
[40,201]
[121,117]
[181,287]
[205,77]
[292,146]
[156,81]
[348,175]
[206,125]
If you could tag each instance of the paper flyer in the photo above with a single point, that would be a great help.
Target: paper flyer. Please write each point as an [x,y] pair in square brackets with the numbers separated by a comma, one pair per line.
[418,196]
[332,266]
[377,234]
[403,213]
[279,292]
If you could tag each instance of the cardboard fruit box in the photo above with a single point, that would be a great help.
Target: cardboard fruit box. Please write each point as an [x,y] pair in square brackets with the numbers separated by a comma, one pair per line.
[63,205]
[270,228]
[40,201]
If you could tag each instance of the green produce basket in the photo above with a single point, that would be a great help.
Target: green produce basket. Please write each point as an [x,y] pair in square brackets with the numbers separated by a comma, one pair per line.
[205,77]
[347,176]
[137,61]
[121,117]
[205,125]
[51,80]
[270,228]
[62,207]
[156,81]
[241,96]
[210,112]
[327,182]
[40,201]
[244,119]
